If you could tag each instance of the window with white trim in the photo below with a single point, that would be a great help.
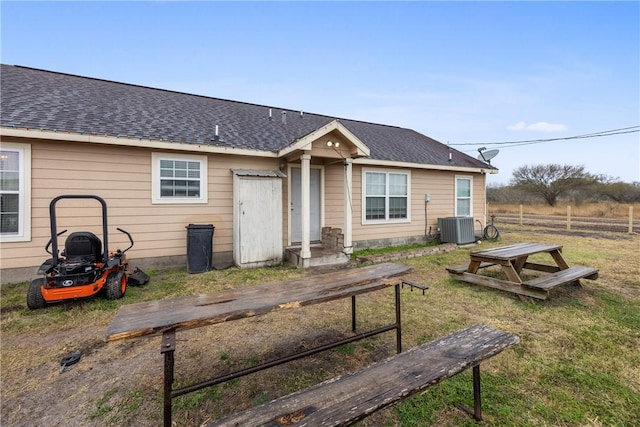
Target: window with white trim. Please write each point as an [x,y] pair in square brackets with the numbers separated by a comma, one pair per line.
[464,184]
[386,196]
[15,192]
[179,178]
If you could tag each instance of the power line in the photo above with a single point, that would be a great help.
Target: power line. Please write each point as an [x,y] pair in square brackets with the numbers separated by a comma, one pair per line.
[614,130]
[631,129]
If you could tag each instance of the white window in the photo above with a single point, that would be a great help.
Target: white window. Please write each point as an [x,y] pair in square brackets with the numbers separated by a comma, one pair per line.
[463,196]
[386,196]
[179,178]
[15,192]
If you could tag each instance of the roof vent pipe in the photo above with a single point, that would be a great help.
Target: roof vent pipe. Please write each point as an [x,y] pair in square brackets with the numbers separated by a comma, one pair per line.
[284,117]
[270,114]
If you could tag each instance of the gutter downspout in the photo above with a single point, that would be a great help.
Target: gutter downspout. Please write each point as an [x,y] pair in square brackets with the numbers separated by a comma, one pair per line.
[348,207]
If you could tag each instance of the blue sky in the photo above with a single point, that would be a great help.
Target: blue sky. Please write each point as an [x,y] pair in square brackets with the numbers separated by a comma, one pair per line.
[460,72]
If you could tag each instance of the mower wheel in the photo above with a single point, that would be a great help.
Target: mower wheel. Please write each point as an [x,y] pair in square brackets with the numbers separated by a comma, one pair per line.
[116,285]
[35,299]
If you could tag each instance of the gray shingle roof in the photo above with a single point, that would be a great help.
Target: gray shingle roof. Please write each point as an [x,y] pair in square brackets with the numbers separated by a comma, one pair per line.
[39,99]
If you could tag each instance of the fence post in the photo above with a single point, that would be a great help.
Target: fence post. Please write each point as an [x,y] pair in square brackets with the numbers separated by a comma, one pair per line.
[630,219]
[568,217]
[521,221]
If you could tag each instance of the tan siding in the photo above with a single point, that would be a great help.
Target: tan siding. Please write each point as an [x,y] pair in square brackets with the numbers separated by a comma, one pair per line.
[122,176]
[479,200]
[334,196]
[441,186]
[322,151]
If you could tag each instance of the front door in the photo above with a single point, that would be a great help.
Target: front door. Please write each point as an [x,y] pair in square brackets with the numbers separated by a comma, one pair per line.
[296,205]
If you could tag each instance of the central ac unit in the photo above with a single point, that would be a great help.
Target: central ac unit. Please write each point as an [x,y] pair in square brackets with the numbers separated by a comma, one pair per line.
[456,229]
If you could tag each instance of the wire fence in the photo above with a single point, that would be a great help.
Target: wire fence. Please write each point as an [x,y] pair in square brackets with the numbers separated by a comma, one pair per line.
[571,222]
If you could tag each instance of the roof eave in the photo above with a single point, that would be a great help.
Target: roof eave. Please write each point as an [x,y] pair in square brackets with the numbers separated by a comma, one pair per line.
[412,165]
[130,142]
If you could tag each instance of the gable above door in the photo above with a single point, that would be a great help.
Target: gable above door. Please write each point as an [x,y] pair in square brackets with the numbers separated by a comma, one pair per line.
[354,146]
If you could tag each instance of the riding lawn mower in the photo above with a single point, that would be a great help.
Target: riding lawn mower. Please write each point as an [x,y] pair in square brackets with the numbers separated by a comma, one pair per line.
[84,268]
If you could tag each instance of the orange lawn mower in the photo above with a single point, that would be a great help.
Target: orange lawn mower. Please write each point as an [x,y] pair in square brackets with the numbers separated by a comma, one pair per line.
[83,269]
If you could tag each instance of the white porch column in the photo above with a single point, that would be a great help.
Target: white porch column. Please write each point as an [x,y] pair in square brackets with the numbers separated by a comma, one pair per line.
[348,207]
[305,184]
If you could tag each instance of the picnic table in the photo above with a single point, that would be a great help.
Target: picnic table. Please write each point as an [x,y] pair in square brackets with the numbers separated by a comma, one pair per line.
[513,259]
[166,317]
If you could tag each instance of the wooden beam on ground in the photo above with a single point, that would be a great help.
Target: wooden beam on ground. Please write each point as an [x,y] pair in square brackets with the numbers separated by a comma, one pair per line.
[503,285]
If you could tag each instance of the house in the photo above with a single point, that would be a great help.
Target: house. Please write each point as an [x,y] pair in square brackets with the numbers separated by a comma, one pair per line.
[273,182]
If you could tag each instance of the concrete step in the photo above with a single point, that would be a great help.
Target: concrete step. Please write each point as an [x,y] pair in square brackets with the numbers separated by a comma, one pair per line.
[320,257]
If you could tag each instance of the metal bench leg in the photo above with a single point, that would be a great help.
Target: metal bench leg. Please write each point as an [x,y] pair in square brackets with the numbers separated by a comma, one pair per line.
[168,349]
[353,313]
[477,408]
[398,324]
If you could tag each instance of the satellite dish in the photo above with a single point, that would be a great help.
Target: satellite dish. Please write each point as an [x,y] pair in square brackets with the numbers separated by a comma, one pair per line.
[486,156]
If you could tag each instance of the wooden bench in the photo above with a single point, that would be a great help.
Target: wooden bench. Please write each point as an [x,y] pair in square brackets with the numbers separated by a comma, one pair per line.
[461,268]
[349,398]
[562,277]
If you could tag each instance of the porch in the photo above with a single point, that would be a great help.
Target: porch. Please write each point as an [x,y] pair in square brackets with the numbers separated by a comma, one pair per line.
[320,257]
[331,148]
[328,252]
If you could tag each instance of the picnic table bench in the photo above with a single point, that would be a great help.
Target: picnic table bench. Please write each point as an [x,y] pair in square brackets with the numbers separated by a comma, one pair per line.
[513,259]
[351,397]
[166,317]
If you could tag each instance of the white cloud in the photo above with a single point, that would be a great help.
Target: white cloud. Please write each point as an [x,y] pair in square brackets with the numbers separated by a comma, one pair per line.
[518,126]
[538,127]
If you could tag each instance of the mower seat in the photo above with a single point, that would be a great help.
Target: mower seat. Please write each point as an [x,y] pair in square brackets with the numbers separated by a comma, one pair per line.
[83,245]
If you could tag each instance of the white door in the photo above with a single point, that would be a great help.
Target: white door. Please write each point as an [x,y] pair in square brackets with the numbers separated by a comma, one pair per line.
[258,220]
[296,206]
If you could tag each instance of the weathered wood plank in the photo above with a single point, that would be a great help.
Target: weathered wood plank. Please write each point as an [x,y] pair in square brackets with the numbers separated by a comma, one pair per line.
[513,251]
[503,285]
[511,272]
[562,277]
[540,267]
[349,398]
[461,268]
[155,317]
[518,263]
[559,259]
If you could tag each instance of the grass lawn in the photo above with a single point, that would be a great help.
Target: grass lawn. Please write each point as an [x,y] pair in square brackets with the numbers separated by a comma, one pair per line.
[578,362]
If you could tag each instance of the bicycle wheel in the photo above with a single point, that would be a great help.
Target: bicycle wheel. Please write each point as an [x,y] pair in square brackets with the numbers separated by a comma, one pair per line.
[490,233]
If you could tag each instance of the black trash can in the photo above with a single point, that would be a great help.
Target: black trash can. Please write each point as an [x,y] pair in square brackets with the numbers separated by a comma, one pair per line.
[199,247]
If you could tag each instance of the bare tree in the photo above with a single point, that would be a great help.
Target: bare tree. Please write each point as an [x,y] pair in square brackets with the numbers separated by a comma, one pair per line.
[551,181]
